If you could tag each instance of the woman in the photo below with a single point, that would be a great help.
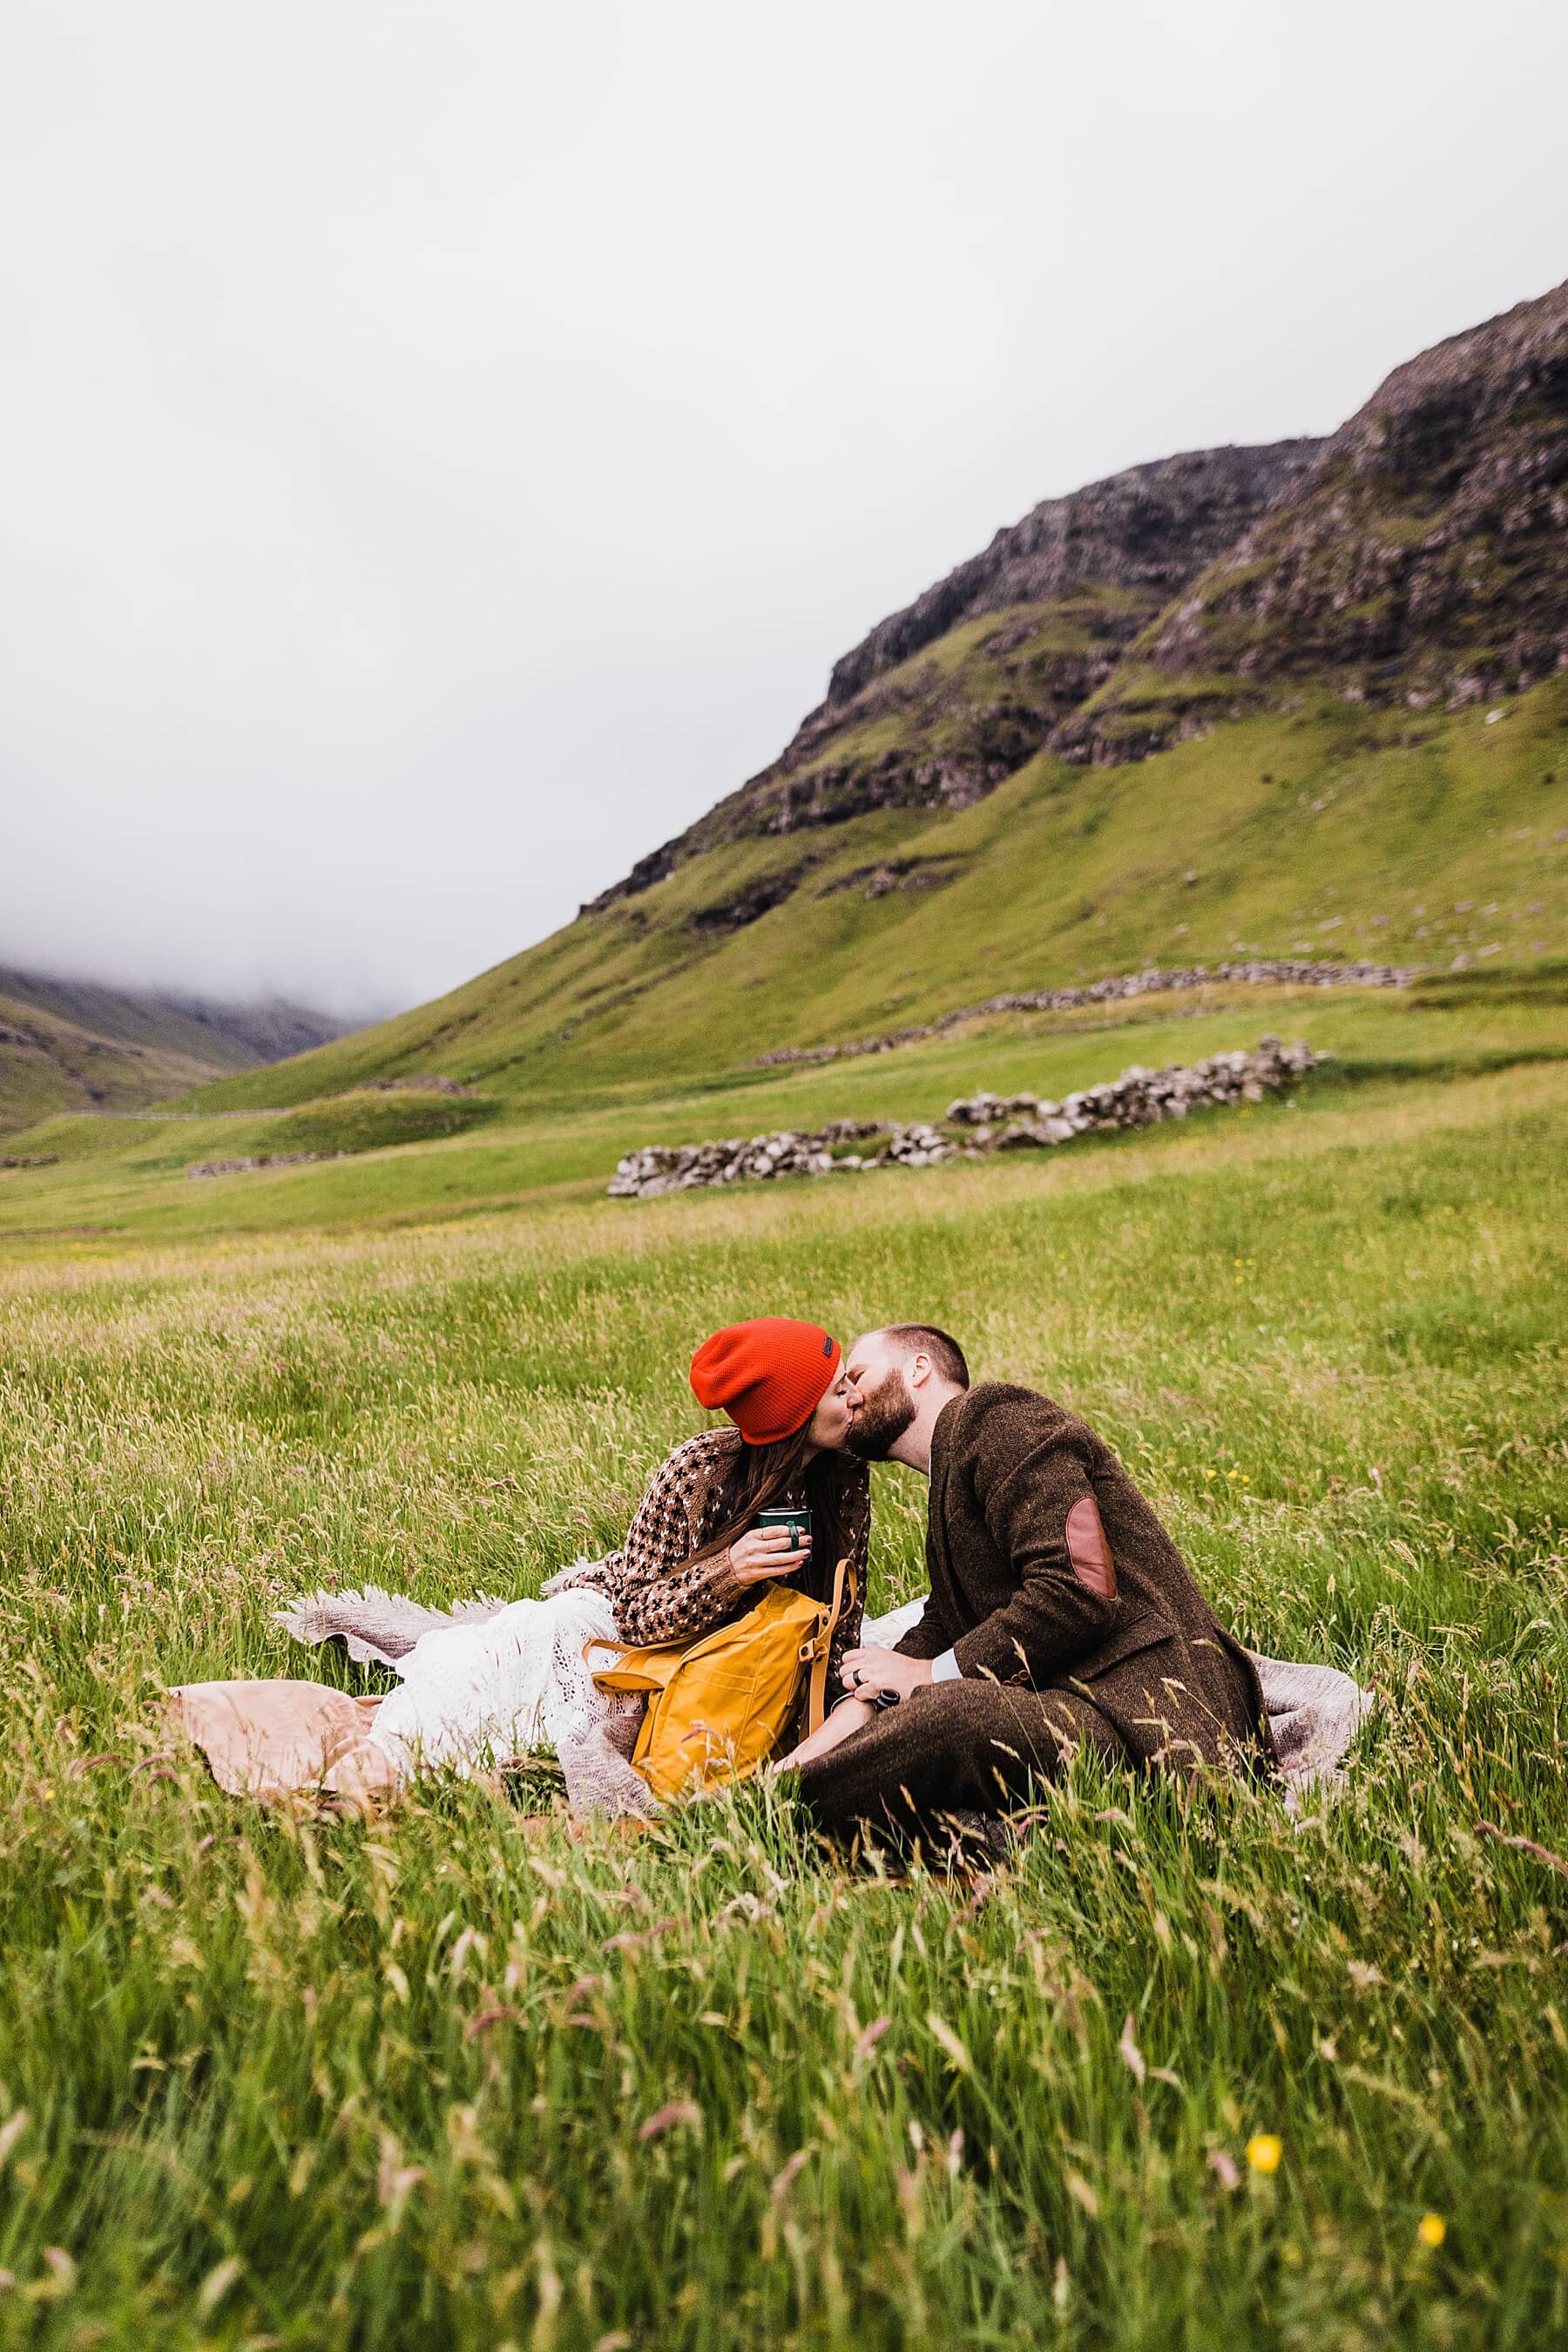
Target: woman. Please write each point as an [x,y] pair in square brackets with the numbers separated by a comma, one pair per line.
[481,1690]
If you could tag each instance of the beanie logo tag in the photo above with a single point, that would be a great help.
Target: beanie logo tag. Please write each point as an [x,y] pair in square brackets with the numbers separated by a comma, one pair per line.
[828,1344]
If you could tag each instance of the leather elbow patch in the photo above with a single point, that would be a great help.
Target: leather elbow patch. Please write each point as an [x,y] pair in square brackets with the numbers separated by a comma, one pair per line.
[1087,1550]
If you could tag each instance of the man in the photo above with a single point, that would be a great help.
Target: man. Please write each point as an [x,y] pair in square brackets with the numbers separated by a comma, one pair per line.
[1060,1611]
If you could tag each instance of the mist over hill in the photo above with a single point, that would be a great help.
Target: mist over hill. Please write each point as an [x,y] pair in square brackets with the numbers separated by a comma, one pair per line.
[75,1045]
[1308,698]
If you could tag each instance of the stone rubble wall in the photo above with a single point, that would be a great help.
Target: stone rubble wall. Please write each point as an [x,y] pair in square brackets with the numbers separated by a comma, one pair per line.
[973,1127]
[265,1159]
[1286,971]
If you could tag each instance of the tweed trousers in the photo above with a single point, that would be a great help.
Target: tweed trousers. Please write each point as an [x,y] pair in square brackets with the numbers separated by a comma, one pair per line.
[966,1746]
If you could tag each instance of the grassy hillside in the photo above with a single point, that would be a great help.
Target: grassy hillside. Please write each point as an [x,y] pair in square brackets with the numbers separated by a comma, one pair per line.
[460,2078]
[1294,701]
[1327,830]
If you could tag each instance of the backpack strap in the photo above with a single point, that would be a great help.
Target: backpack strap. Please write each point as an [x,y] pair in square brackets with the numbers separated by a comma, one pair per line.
[822,1646]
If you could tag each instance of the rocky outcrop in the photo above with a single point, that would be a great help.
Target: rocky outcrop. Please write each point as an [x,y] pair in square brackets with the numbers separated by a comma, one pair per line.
[979,1124]
[750,900]
[1152,527]
[892,874]
[1285,973]
[1422,559]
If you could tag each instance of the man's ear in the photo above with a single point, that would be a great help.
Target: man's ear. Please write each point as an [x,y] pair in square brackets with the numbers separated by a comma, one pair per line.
[920,1368]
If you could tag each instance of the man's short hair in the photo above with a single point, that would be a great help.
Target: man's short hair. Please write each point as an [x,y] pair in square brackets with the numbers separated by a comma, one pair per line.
[925,1338]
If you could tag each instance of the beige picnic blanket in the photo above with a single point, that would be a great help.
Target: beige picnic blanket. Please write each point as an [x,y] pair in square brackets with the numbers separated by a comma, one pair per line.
[270,1739]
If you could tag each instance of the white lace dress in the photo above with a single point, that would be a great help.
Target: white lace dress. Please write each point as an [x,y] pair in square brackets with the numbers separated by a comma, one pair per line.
[472,1696]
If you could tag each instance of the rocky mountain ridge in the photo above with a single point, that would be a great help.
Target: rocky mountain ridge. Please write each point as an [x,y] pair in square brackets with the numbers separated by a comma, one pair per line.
[1152,527]
[1419,554]
[1423,559]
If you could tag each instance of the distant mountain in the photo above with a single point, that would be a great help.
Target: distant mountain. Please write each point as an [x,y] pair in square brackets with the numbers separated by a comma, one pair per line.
[1306,698]
[78,1046]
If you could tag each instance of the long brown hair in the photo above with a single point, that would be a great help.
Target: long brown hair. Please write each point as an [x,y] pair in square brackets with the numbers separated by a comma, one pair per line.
[833,1484]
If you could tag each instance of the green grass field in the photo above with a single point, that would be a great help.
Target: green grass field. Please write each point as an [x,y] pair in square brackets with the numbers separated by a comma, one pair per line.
[126,1178]
[462,2078]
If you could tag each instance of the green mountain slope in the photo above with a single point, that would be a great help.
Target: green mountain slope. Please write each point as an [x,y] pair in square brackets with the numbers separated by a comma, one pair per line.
[1329,833]
[68,1045]
[1101,744]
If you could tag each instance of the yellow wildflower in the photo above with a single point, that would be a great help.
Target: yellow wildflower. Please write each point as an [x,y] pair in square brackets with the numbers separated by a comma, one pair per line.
[1431,2228]
[1264,2150]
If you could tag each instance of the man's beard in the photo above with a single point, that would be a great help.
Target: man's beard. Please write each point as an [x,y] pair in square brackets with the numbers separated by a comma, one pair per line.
[882,1420]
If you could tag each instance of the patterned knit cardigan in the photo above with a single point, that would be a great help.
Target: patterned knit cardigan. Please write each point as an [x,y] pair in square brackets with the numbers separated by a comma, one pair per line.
[657,1593]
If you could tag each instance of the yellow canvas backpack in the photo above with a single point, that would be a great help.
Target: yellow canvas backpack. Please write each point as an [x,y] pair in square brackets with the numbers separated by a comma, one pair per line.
[717,1707]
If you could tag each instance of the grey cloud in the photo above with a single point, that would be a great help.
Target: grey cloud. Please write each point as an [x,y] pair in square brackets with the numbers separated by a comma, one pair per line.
[443,449]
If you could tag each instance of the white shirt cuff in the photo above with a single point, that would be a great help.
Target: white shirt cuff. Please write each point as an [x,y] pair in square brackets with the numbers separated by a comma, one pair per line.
[946,1669]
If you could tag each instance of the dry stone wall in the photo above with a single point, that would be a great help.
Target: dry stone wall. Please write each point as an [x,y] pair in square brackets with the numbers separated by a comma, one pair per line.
[974,1126]
[1283,971]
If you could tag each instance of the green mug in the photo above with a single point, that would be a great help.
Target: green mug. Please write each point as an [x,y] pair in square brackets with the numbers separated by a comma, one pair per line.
[797,1521]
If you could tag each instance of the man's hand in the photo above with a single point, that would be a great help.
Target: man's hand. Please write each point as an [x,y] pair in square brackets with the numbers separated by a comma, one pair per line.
[866,1671]
[763,1552]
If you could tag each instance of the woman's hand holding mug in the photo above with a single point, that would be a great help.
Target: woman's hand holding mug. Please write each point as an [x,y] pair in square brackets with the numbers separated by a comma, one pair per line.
[763,1552]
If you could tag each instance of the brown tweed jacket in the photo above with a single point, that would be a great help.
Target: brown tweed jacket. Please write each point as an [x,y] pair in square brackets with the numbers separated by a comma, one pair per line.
[1049,1569]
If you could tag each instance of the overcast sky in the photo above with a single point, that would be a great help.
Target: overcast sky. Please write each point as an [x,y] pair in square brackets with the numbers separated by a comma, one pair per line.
[442,446]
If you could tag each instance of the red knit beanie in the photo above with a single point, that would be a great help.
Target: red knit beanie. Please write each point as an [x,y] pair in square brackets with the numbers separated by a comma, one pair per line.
[769,1376]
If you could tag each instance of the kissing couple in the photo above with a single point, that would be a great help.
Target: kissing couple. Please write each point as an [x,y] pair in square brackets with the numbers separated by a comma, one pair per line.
[1059,1610]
